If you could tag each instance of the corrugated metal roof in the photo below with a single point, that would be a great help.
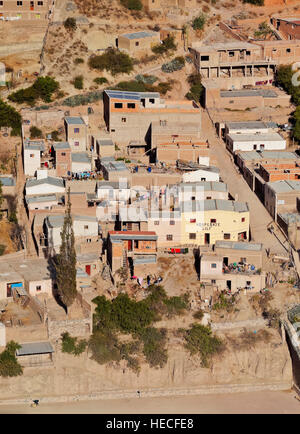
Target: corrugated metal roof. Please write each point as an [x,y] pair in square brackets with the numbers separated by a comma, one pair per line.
[205,185]
[105,142]
[290,218]
[214,204]
[36,199]
[80,157]
[74,120]
[131,95]
[61,145]
[268,137]
[58,182]
[251,125]
[284,186]
[147,259]
[35,348]
[238,245]
[139,35]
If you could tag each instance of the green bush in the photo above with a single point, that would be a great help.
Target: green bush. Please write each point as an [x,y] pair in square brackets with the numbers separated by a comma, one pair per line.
[154,341]
[104,346]
[55,136]
[100,80]
[9,117]
[70,24]
[72,345]
[43,88]
[2,249]
[255,2]
[199,22]
[35,133]
[166,45]
[83,99]
[147,79]
[196,88]
[134,5]
[200,340]
[113,61]
[9,365]
[78,60]
[78,82]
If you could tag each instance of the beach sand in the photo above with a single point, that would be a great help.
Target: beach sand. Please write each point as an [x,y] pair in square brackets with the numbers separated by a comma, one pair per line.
[281,402]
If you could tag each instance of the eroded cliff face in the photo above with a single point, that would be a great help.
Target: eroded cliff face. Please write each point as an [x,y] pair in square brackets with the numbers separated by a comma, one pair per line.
[264,365]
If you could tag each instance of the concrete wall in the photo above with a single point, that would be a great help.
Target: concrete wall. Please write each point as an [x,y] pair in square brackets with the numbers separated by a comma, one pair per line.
[32,161]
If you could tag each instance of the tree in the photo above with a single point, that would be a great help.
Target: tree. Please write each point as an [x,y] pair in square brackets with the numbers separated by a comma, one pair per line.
[198,22]
[112,60]
[65,261]
[78,82]
[9,117]
[42,88]
[35,133]
[199,339]
[70,24]
[9,365]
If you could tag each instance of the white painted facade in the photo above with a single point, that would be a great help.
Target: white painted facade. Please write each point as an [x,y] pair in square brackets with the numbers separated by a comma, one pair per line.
[32,161]
[200,175]
[252,142]
[44,187]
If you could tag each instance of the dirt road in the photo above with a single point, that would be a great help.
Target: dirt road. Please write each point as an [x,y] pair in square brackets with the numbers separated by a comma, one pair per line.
[240,403]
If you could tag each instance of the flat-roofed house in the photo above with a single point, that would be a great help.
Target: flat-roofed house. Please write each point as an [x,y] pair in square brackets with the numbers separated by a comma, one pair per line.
[167,226]
[85,230]
[81,162]
[290,224]
[138,42]
[136,250]
[252,142]
[204,173]
[177,150]
[281,197]
[43,201]
[207,221]
[42,186]
[35,10]
[240,252]
[114,170]
[203,190]
[61,152]
[105,148]
[129,115]
[33,354]
[32,152]
[10,280]
[289,27]
[76,131]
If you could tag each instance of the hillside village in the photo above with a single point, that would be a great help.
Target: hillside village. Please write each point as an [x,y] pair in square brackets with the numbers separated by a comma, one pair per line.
[167,133]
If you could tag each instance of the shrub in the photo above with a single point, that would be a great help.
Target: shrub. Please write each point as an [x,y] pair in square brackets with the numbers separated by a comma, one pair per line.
[2,249]
[133,5]
[43,88]
[100,80]
[175,65]
[35,133]
[112,60]
[70,24]
[199,314]
[166,45]
[154,341]
[9,365]
[224,302]
[71,345]
[55,136]
[104,347]
[9,117]
[78,60]
[196,88]
[255,2]
[147,79]
[78,82]
[200,340]
[199,22]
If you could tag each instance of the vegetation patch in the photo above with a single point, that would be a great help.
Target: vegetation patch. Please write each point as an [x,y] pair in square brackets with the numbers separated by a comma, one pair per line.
[113,61]
[199,22]
[35,133]
[10,118]
[43,88]
[174,65]
[225,302]
[196,89]
[72,345]
[165,47]
[9,365]
[132,5]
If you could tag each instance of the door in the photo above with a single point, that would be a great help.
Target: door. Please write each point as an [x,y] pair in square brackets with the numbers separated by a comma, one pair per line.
[207,238]
[225,260]
[228,283]
[88,269]
[129,245]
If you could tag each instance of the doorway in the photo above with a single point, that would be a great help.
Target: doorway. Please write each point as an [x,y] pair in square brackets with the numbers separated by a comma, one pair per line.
[207,238]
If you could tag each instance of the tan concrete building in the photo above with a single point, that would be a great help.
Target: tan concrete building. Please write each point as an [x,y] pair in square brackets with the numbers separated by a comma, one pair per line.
[235,63]
[61,152]
[290,224]
[76,132]
[288,27]
[25,9]
[284,52]
[129,115]
[138,42]
[281,197]
[151,5]
[177,150]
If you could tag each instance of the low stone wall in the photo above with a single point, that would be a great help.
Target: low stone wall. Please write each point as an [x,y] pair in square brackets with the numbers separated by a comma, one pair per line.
[76,327]
[259,322]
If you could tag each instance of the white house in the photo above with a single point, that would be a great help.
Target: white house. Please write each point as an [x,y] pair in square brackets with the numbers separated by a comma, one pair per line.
[118,191]
[251,127]
[205,173]
[252,142]
[81,162]
[44,186]
[85,228]
[32,153]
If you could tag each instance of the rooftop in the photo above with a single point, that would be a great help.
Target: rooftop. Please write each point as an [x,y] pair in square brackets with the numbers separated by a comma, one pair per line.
[246,93]
[290,218]
[57,221]
[105,142]
[205,185]
[112,165]
[34,145]
[41,198]
[238,245]
[251,125]
[61,145]
[80,157]
[139,35]
[58,182]
[74,120]
[284,186]
[7,181]
[214,204]
[221,46]
[35,348]
[255,137]
[132,235]
[267,155]
[131,95]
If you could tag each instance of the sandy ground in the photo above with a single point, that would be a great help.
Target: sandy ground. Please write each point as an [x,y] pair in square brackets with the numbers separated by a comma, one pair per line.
[241,403]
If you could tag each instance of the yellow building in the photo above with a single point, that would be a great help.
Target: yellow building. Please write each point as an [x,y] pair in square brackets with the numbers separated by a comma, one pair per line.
[207,221]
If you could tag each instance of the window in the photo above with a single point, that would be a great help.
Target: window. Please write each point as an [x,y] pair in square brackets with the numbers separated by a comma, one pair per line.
[38,288]
[213,265]
[76,143]
[213,281]
[172,222]
[1,3]
[156,222]
[248,53]
[243,219]
[192,220]
[213,220]
[231,53]
[40,3]
[137,44]
[169,237]
[123,120]
[118,105]
[193,198]
[63,154]
[88,240]
[203,179]
[248,283]
[208,197]
[288,50]
[226,236]
[86,226]
[76,130]
[192,236]
[136,244]
[152,100]
[131,105]
[243,260]
[31,155]
[19,3]
[204,58]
